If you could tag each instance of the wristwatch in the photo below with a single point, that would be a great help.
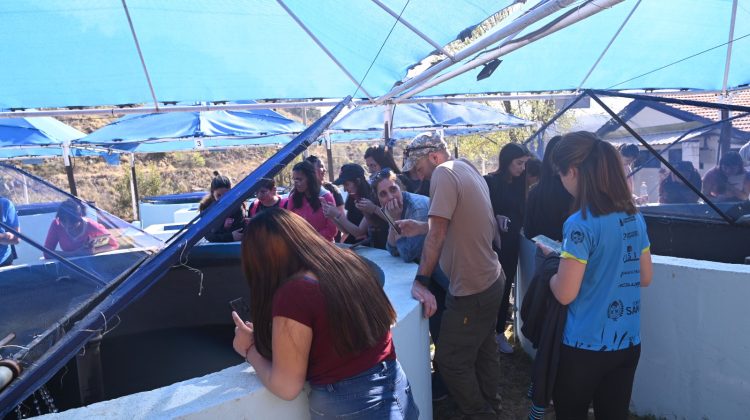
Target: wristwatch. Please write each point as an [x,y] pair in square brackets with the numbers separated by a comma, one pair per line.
[425,280]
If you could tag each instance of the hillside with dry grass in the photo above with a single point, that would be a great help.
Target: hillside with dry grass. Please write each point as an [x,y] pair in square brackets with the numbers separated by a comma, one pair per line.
[167,173]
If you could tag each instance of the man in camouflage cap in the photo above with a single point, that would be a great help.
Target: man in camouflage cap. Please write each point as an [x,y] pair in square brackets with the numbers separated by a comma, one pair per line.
[460,230]
[421,146]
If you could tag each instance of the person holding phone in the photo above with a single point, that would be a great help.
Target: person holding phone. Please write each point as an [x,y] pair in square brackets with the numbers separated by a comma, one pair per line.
[508,195]
[319,314]
[307,198]
[229,229]
[9,216]
[352,222]
[605,261]
[400,205]
[403,205]
[76,234]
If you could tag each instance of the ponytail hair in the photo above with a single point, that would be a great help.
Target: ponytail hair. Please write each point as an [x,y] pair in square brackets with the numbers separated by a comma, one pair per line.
[602,186]
[218,181]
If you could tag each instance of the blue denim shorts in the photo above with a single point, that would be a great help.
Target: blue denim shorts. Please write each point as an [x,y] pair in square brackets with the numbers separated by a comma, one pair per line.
[381,392]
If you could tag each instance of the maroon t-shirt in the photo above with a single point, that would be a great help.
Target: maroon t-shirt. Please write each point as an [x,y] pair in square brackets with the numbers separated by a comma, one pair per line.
[301,300]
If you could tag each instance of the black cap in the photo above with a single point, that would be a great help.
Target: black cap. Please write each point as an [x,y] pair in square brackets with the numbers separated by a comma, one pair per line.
[349,172]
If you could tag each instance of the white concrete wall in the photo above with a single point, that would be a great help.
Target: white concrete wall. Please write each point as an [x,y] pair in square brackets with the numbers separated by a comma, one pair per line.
[237,393]
[695,352]
[154,214]
[695,361]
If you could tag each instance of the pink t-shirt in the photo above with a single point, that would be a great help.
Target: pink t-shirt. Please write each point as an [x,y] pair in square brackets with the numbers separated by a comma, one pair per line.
[58,235]
[317,219]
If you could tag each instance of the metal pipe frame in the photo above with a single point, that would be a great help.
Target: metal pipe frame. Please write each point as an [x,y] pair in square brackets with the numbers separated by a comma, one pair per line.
[414,29]
[729,49]
[585,11]
[611,41]
[114,111]
[140,54]
[517,25]
[661,158]
[322,46]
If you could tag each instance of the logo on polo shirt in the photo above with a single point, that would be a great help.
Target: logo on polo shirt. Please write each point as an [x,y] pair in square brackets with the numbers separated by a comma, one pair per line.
[630,255]
[615,310]
[576,236]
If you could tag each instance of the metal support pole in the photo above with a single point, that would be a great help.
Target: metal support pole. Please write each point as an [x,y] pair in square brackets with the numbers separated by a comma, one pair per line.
[728,60]
[140,55]
[305,153]
[69,168]
[414,29]
[90,373]
[388,124]
[329,157]
[609,44]
[134,189]
[725,136]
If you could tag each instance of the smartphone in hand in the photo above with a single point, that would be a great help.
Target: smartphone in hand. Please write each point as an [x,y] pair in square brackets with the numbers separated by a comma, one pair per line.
[390,220]
[554,246]
[240,306]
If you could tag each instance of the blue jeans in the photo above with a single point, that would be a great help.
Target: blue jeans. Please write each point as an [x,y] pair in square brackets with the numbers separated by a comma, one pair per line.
[382,392]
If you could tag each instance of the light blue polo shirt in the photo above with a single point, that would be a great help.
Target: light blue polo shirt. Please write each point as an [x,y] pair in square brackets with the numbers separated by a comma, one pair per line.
[9,216]
[605,316]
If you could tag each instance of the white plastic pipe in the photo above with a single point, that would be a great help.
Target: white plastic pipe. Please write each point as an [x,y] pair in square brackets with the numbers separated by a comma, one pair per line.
[6,375]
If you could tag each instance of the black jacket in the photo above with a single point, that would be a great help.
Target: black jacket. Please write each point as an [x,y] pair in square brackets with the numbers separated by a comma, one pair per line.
[221,233]
[543,324]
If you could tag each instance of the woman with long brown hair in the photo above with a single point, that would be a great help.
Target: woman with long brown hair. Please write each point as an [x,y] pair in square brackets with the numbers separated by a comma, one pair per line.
[508,193]
[604,263]
[307,197]
[319,314]
[229,229]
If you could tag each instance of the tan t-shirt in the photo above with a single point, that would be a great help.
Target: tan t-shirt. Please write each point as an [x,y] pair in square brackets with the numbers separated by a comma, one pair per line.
[459,193]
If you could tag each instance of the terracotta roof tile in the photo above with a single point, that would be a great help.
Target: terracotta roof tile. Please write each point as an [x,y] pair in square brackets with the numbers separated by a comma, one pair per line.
[740,97]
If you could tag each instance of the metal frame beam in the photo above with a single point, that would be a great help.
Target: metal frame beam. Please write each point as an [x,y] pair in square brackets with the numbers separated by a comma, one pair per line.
[322,46]
[587,10]
[140,54]
[522,22]
[114,111]
[609,44]
[414,29]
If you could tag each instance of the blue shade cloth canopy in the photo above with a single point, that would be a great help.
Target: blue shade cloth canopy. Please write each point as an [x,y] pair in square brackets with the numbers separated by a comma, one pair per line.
[35,137]
[366,122]
[665,44]
[206,50]
[178,131]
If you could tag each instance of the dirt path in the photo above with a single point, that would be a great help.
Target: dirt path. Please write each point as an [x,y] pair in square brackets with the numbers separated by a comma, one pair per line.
[514,383]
